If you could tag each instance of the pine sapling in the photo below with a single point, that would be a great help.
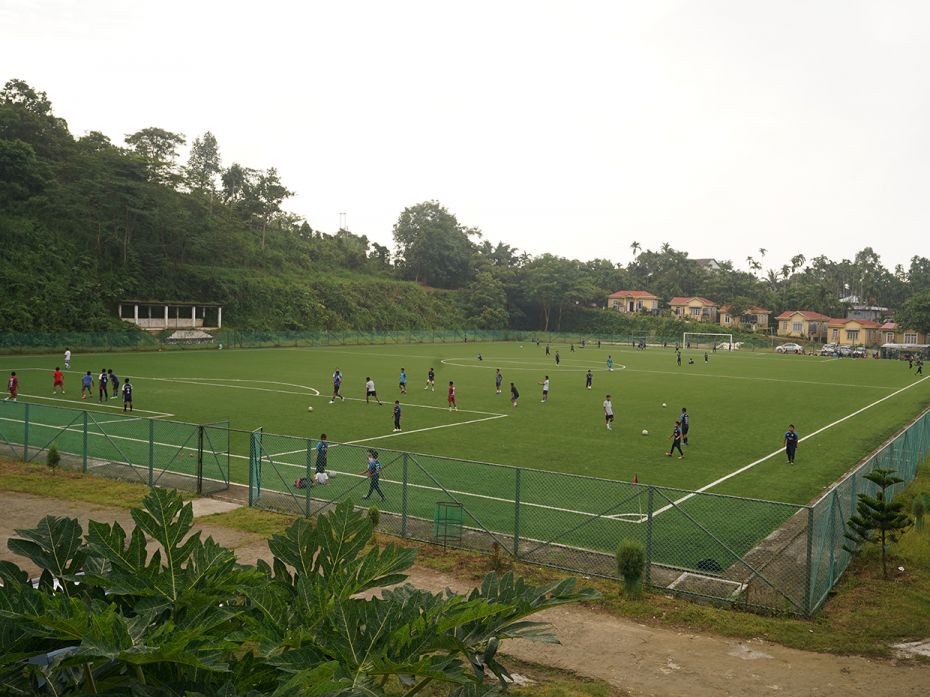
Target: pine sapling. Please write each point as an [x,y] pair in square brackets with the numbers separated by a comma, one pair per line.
[878,518]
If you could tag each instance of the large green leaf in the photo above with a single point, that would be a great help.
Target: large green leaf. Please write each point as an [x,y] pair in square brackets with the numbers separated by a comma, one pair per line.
[55,545]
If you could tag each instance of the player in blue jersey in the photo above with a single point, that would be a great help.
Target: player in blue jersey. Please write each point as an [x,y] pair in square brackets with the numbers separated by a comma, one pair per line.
[337,384]
[588,378]
[403,381]
[498,379]
[374,475]
[127,395]
[322,453]
[87,386]
[102,385]
[396,415]
[431,380]
[791,443]
[685,424]
[114,381]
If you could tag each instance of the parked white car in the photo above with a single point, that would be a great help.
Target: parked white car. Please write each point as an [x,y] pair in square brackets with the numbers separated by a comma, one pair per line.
[789,348]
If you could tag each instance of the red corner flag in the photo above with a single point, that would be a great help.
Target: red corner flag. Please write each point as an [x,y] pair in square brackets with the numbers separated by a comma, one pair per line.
[636,479]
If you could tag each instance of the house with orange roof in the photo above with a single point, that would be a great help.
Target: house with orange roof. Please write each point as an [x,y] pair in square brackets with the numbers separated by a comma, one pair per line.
[802,324]
[894,333]
[694,308]
[754,319]
[854,332]
[633,301]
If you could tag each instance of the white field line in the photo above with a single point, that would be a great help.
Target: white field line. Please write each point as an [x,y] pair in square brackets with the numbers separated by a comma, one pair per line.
[120,421]
[781,450]
[428,428]
[72,405]
[542,365]
[760,379]
[472,494]
[312,391]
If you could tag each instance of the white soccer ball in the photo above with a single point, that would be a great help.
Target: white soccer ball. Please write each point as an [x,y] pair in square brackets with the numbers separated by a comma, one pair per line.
[664,404]
[645,432]
[309,408]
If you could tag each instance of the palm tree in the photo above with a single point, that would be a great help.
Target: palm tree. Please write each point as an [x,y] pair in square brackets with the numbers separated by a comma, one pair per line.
[635,246]
[762,251]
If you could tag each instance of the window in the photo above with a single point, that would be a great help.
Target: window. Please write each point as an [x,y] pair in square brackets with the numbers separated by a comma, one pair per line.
[797,327]
[889,337]
[695,311]
[852,335]
[726,319]
[784,325]
[910,338]
[615,304]
[835,334]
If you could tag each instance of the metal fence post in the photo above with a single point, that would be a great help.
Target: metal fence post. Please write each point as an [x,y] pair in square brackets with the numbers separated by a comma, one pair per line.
[308,481]
[151,452]
[516,514]
[808,583]
[403,500]
[649,507]
[251,468]
[199,459]
[833,513]
[26,435]
[84,446]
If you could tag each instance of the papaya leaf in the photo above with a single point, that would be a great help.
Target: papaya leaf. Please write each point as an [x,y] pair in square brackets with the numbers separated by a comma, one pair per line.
[55,545]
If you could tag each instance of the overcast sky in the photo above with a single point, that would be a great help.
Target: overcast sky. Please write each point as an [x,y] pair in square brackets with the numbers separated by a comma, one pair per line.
[571,128]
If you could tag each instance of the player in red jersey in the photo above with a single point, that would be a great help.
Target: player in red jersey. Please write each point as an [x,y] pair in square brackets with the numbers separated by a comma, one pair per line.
[12,387]
[58,381]
[452,404]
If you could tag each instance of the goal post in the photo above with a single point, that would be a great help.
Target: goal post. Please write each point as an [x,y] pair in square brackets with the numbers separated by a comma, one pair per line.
[724,342]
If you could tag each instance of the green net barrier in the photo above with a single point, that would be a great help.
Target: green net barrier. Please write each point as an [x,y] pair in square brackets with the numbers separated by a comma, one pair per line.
[829,559]
[84,342]
[754,553]
[155,452]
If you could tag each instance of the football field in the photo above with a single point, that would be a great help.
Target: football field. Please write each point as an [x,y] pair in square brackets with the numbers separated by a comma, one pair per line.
[740,404]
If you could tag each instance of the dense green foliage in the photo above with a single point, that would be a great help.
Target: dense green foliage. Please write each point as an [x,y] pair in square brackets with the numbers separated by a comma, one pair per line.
[86,222]
[184,618]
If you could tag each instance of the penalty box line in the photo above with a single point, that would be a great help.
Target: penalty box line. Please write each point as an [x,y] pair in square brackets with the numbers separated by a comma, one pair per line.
[781,450]
[634,517]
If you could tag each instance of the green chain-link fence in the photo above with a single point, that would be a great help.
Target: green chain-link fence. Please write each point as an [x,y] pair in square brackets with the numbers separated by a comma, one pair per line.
[115,341]
[155,452]
[747,552]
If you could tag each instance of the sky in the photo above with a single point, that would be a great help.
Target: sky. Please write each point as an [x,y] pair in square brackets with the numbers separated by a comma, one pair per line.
[719,127]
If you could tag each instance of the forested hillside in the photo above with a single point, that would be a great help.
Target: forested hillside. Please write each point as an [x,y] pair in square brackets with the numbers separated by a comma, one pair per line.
[85,222]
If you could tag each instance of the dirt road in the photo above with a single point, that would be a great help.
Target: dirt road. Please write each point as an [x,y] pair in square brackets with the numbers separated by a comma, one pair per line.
[651,661]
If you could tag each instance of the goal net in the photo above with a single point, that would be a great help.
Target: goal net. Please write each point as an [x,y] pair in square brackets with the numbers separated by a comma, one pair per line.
[702,340]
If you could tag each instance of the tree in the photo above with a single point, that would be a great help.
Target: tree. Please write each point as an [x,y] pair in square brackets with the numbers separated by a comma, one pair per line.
[185,618]
[915,314]
[433,247]
[486,302]
[635,247]
[203,165]
[158,149]
[878,518]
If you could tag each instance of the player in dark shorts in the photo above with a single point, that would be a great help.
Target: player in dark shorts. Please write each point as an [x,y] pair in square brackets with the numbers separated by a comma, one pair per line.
[102,385]
[514,394]
[588,378]
[127,395]
[337,384]
[685,425]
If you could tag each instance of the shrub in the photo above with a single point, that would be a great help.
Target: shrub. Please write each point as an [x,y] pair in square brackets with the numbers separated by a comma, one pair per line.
[374,515]
[918,510]
[53,457]
[631,561]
